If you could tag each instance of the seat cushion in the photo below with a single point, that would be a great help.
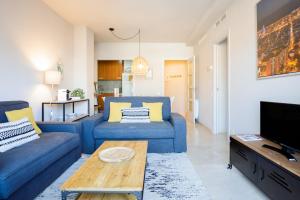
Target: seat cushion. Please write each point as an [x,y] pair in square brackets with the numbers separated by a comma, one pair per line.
[21,164]
[154,130]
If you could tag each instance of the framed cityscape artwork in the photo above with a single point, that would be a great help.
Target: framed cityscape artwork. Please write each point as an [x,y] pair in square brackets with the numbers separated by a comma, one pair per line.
[278,38]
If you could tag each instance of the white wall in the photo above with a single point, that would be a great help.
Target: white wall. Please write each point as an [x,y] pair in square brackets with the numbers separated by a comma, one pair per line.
[245,90]
[155,53]
[32,39]
[84,65]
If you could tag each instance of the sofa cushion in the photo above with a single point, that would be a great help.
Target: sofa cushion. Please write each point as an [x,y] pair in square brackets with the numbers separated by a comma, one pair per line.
[15,115]
[115,113]
[21,164]
[17,133]
[10,105]
[138,102]
[155,109]
[154,130]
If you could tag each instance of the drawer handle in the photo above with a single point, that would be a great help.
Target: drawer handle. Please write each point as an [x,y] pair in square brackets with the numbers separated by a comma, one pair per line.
[254,168]
[262,175]
[279,183]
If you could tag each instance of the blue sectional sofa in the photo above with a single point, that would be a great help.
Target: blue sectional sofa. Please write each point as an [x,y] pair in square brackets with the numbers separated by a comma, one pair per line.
[166,136]
[27,170]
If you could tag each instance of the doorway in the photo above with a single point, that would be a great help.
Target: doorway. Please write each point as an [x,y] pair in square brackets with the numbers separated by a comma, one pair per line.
[221,88]
[191,89]
[175,87]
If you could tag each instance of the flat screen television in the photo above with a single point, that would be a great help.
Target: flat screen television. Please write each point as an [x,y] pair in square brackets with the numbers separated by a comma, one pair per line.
[280,123]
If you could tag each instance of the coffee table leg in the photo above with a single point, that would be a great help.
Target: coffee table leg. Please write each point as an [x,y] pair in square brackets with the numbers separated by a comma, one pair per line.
[142,194]
[139,195]
[64,195]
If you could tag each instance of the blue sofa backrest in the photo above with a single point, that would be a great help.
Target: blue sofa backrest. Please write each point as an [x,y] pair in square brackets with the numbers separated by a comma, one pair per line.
[10,105]
[138,102]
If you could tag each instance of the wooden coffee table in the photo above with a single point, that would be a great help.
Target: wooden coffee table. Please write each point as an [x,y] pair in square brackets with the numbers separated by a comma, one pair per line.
[96,177]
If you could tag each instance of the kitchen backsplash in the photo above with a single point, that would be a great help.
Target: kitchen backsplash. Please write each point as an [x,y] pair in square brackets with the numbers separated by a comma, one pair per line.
[108,86]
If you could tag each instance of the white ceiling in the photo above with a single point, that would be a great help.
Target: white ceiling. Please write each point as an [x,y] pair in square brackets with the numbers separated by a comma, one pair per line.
[159,20]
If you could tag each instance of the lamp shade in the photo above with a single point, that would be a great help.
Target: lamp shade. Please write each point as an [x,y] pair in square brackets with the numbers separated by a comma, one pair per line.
[52,77]
[139,66]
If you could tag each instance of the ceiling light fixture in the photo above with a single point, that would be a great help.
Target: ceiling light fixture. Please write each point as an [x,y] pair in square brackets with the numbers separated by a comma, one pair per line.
[139,65]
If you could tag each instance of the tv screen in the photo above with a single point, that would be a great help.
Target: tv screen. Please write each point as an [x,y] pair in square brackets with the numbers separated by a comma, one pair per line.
[280,123]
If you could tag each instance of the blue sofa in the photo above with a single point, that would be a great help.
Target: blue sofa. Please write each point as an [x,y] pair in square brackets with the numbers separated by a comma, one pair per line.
[163,137]
[27,170]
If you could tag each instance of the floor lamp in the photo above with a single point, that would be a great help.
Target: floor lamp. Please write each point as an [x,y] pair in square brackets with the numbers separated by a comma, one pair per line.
[52,78]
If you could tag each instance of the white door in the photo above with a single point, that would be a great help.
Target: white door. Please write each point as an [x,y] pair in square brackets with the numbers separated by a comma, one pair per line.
[222,88]
[191,90]
[175,84]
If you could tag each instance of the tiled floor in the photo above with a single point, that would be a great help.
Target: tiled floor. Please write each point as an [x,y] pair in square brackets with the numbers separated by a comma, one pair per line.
[210,154]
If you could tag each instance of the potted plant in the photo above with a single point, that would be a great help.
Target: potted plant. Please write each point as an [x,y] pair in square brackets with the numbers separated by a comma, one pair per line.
[78,93]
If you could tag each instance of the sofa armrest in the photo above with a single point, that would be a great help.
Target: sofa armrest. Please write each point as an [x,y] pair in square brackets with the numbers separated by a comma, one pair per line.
[87,136]
[179,124]
[73,127]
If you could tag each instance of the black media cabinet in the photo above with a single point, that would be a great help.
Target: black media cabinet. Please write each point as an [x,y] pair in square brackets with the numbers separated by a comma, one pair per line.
[277,177]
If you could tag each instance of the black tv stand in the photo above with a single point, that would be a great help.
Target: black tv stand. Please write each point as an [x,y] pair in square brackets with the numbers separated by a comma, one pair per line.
[271,172]
[283,151]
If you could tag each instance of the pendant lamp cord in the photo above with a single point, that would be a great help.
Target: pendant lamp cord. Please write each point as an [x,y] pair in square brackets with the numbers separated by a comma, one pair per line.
[128,38]
[139,43]
[124,38]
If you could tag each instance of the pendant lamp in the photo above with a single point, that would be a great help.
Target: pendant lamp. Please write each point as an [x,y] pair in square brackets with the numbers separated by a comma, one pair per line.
[139,65]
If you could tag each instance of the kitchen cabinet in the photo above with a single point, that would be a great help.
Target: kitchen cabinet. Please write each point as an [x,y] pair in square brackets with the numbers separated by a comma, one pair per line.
[110,70]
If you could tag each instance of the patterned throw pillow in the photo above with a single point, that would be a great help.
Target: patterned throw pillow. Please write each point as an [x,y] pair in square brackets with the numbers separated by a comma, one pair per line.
[16,133]
[135,115]
[135,111]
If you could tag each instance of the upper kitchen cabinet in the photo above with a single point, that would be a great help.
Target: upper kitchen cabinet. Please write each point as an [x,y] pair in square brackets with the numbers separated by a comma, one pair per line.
[110,70]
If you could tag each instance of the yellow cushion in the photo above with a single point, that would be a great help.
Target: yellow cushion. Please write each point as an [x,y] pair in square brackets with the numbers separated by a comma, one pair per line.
[115,114]
[155,111]
[23,113]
